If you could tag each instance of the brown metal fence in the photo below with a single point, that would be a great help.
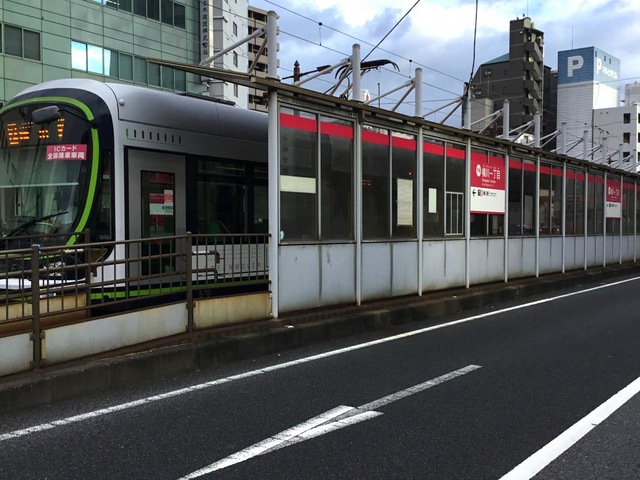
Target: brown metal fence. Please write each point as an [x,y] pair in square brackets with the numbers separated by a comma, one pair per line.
[43,286]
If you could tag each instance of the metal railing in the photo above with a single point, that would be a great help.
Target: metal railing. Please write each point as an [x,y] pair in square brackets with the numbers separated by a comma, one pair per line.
[44,286]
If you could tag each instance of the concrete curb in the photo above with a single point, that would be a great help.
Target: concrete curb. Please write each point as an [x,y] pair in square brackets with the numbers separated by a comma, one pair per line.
[49,386]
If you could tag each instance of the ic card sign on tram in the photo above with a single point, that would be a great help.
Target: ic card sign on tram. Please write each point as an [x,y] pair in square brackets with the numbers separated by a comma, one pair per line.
[487,184]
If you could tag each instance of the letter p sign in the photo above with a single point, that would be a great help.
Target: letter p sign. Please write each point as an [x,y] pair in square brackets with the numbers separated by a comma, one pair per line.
[574,63]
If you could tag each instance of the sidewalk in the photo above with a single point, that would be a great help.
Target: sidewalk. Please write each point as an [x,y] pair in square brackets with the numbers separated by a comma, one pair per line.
[202,350]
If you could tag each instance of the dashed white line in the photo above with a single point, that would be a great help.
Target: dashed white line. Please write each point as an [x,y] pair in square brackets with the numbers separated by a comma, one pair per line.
[329,421]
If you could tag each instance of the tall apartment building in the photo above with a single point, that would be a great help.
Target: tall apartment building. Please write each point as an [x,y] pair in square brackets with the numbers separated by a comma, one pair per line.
[519,76]
[106,40]
[587,80]
[257,19]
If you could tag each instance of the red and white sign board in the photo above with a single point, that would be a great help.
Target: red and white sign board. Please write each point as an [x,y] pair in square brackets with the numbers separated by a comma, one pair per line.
[613,199]
[488,184]
[66,152]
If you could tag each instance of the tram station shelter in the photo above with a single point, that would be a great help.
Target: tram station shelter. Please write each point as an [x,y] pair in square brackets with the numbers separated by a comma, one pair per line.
[367,204]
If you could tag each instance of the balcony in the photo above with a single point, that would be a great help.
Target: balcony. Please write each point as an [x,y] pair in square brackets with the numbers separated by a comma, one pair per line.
[534,51]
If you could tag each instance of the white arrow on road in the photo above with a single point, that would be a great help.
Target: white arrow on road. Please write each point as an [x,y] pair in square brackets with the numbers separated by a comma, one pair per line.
[329,421]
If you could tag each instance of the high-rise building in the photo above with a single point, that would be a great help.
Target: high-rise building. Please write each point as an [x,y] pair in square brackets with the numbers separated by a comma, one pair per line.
[587,80]
[518,76]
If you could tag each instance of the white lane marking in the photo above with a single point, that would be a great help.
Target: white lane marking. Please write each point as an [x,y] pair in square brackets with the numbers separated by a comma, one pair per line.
[329,421]
[543,457]
[254,373]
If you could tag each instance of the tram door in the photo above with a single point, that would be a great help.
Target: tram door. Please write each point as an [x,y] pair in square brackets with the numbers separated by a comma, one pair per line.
[156,211]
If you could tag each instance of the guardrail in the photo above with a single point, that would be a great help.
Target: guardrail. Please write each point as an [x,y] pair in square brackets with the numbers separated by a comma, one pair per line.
[45,287]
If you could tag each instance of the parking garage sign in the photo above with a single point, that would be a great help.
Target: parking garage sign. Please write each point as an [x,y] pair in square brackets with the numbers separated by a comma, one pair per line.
[487,184]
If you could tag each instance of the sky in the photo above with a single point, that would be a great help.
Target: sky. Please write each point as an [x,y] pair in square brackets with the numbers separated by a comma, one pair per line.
[438,37]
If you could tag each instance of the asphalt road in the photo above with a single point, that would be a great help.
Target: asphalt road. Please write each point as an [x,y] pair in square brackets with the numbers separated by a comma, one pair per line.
[473,398]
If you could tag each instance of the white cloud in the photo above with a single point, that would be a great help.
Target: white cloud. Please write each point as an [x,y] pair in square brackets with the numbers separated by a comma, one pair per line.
[439,35]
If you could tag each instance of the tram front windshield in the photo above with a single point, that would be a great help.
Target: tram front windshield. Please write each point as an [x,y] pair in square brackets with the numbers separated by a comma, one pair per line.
[44,172]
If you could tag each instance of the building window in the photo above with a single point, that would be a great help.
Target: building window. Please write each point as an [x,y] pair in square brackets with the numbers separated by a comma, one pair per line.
[178,15]
[626,118]
[102,61]
[126,66]
[124,5]
[166,11]
[235,59]
[79,56]
[140,7]
[167,77]
[140,70]
[235,29]
[21,42]
[153,9]
[626,137]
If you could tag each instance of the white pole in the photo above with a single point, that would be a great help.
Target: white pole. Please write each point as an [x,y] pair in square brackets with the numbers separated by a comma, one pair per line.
[506,128]
[274,200]
[417,82]
[272,45]
[355,68]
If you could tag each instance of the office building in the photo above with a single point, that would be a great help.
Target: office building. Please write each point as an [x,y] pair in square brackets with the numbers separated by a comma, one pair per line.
[110,40]
[106,40]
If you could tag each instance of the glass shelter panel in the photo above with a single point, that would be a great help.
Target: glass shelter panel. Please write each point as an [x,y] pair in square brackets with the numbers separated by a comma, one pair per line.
[376,210]
[433,197]
[455,188]
[515,197]
[403,162]
[579,201]
[336,179]
[298,175]
[595,204]
[627,207]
